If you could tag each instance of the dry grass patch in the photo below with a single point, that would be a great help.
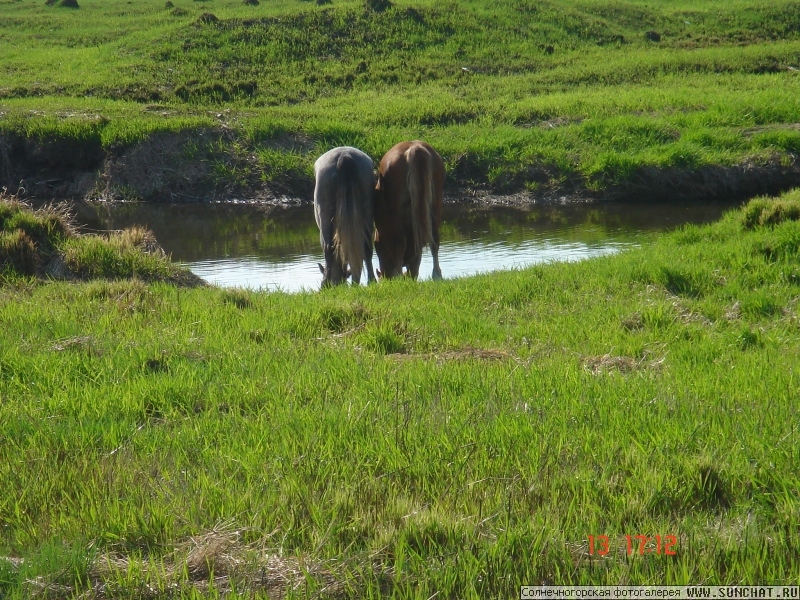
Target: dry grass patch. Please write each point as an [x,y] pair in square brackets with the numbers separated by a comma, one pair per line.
[13,561]
[733,312]
[681,312]
[466,353]
[633,322]
[597,365]
[77,342]
[216,561]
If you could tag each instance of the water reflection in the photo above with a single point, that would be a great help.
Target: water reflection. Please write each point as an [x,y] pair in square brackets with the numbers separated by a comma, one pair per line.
[254,246]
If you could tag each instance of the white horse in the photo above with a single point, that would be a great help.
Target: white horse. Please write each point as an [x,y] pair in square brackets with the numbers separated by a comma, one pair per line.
[343,199]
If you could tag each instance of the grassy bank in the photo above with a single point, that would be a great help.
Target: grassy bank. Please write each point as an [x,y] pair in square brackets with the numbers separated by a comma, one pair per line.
[46,244]
[460,438]
[549,97]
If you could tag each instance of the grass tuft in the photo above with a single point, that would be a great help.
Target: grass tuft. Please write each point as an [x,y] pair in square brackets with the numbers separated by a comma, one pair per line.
[684,282]
[385,338]
[18,253]
[770,211]
[749,338]
[238,298]
[46,243]
[115,256]
[710,491]
[342,319]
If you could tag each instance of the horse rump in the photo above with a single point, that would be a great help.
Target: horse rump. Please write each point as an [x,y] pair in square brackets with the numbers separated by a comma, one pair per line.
[343,210]
[408,208]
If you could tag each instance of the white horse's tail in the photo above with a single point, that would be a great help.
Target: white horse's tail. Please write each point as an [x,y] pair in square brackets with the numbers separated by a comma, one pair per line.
[349,226]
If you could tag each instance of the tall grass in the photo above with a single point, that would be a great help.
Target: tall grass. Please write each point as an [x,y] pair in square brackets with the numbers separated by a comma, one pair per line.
[460,437]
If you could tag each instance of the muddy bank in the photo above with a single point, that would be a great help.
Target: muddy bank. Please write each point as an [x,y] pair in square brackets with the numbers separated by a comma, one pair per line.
[185,166]
[214,165]
[711,183]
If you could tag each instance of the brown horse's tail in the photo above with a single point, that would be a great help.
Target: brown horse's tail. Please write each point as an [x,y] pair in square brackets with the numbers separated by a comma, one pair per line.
[349,226]
[420,188]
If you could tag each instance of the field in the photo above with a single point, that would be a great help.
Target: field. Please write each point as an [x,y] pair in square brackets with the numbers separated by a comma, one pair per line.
[458,438]
[218,99]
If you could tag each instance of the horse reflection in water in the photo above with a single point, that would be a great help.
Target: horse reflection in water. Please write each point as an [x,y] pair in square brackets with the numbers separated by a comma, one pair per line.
[343,198]
[408,208]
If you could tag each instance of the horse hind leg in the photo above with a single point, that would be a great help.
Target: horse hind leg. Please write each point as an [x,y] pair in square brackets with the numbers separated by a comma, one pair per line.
[368,254]
[437,271]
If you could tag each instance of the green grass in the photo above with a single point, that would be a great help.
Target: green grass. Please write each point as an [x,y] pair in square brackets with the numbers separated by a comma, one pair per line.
[461,437]
[282,82]
[45,243]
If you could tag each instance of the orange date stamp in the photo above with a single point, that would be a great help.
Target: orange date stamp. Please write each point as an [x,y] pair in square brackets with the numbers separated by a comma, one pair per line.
[661,545]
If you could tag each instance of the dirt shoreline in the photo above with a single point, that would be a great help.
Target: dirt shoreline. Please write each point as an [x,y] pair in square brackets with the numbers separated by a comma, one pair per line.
[158,170]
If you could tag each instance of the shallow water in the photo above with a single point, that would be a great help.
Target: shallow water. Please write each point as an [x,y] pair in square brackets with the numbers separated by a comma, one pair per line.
[265,247]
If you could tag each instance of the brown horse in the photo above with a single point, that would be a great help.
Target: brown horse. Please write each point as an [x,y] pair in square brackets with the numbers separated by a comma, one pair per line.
[408,208]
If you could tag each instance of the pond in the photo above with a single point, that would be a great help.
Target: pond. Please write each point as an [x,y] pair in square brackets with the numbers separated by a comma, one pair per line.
[268,247]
